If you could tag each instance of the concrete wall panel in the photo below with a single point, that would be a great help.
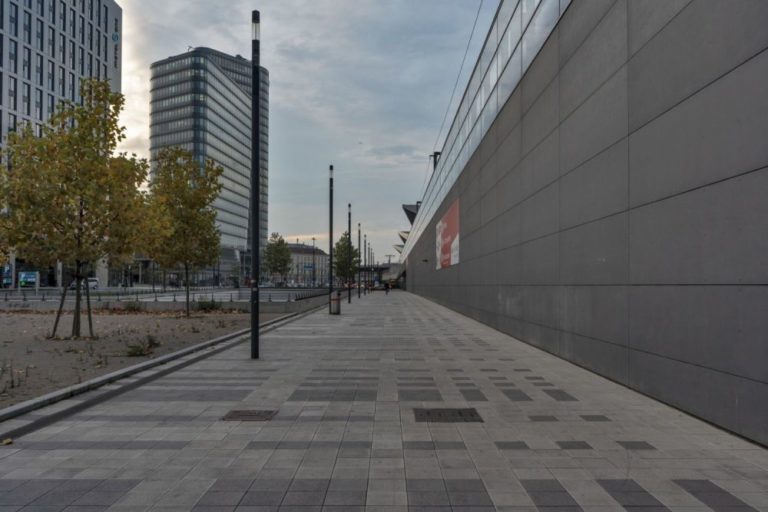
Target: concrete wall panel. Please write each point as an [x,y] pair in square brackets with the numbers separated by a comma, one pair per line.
[646,18]
[713,135]
[703,42]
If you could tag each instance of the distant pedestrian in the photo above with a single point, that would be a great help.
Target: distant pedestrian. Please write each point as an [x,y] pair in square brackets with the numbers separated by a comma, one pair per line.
[386,288]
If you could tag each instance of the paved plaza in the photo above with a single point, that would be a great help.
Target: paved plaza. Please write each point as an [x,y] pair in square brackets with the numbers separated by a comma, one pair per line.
[353,432]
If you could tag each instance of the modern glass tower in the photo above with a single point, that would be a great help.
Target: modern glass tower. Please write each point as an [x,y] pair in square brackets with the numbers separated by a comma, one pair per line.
[201,101]
[46,48]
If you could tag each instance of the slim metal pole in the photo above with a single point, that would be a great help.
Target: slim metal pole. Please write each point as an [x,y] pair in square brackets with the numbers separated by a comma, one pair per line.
[349,252]
[255,178]
[314,274]
[330,237]
[358,262]
[365,262]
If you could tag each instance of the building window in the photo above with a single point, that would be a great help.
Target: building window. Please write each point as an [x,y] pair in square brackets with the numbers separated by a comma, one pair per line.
[13,56]
[13,19]
[12,87]
[11,123]
[51,106]
[26,99]
[51,76]
[39,104]
[72,23]
[82,31]
[52,12]
[1,51]
[41,8]
[81,60]
[72,86]
[26,64]
[27,27]
[40,33]
[39,69]
[62,16]
[72,55]
[51,42]
[62,81]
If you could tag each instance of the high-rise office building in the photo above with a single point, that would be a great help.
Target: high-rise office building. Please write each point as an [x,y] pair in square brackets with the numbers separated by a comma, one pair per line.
[201,101]
[47,47]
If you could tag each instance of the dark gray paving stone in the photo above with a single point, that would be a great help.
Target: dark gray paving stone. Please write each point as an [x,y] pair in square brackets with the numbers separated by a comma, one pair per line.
[221,498]
[430,509]
[291,508]
[542,485]
[464,485]
[542,418]
[117,485]
[428,498]
[560,395]
[303,499]
[713,496]
[293,445]
[99,498]
[345,498]
[262,498]
[78,485]
[9,485]
[419,395]
[515,395]
[636,445]
[473,395]
[511,445]
[336,508]
[356,444]
[470,499]
[204,508]
[308,485]
[574,445]
[262,445]
[425,484]
[82,508]
[534,377]
[347,484]
[58,498]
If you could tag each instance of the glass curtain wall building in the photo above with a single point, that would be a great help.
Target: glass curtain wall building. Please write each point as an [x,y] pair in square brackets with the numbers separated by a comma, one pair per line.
[518,32]
[46,48]
[201,101]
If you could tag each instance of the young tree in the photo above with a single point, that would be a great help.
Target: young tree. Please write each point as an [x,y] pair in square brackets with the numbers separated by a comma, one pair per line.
[277,257]
[345,263]
[68,198]
[182,192]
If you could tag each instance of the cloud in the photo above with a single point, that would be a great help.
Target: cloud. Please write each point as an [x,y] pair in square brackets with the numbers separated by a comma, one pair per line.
[362,84]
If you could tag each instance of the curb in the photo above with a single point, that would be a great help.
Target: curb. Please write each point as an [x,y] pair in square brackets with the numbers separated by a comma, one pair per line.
[154,369]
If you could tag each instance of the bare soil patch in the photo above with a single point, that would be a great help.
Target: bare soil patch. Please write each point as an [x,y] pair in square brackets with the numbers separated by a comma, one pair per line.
[31,365]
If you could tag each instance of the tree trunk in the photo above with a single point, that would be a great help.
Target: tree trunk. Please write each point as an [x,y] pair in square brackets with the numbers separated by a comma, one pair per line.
[58,313]
[76,317]
[88,305]
[186,284]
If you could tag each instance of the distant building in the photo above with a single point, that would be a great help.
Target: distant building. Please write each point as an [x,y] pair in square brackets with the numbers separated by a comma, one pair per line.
[309,265]
[201,101]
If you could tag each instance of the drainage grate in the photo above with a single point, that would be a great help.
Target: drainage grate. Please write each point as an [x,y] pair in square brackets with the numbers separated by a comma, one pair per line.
[447,416]
[249,415]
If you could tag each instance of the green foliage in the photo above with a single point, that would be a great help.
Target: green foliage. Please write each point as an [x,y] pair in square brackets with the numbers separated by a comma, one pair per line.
[182,193]
[208,305]
[277,257]
[345,263]
[134,307]
[68,198]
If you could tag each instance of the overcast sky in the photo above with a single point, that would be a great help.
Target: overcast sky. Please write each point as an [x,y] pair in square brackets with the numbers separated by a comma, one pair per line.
[362,84]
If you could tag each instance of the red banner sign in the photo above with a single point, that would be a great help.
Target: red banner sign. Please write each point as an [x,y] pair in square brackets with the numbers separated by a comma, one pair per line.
[447,238]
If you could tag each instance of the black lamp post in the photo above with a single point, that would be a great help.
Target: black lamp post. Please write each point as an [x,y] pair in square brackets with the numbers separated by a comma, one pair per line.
[365,262]
[330,237]
[255,178]
[358,263]
[349,252]
[314,274]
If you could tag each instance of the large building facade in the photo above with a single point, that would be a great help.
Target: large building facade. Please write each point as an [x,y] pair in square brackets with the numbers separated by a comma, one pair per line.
[46,48]
[601,196]
[201,101]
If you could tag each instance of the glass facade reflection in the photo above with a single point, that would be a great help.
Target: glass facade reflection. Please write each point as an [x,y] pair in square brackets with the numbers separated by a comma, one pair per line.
[201,101]
[517,33]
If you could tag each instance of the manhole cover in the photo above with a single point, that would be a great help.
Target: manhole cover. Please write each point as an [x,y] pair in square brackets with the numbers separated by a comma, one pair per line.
[447,415]
[249,415]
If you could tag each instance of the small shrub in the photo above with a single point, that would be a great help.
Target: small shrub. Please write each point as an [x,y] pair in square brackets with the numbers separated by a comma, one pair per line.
[208,305]
[134,307]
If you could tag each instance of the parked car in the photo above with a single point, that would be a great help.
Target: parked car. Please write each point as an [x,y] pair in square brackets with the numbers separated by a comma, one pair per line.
[92,283]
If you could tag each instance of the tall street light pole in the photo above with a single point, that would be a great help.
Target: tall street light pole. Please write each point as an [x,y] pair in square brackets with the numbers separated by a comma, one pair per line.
[330,237]
[255,178]
[365,262]
[349,251]
[314,274]
[358,263]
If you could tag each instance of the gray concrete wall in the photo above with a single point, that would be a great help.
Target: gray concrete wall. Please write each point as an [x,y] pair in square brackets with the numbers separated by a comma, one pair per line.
[616,214]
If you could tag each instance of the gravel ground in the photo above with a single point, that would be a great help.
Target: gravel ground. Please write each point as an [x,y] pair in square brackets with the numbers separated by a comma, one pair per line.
[37,365]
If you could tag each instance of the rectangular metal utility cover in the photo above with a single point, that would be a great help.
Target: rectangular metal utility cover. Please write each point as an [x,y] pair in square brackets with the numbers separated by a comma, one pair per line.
[447,416]
[249,415]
